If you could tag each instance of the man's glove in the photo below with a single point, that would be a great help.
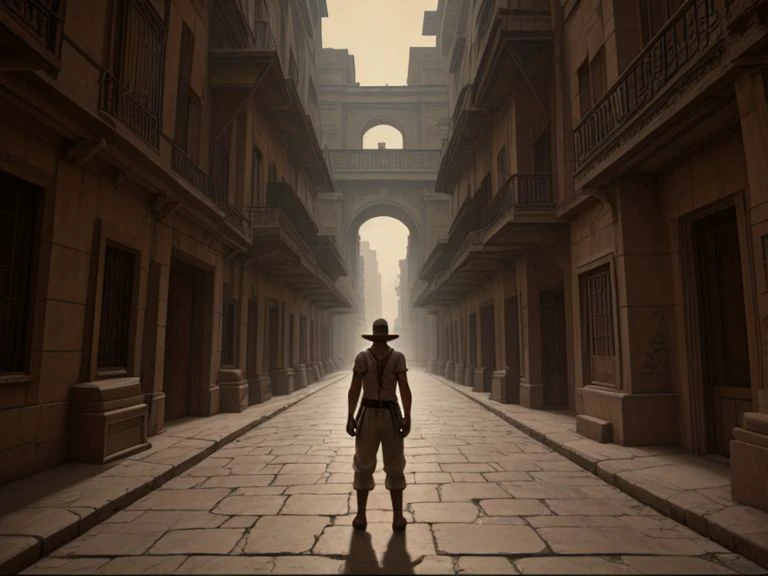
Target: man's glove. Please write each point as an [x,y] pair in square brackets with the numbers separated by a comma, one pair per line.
[405,427]
[351,427]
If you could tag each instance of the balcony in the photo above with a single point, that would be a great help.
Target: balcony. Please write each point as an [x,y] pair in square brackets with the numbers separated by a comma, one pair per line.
[468,125]
[234,25]
[487,233]
[256,71]
[30,34]
[686,47]
[390,165]
[288,249]
[516,51]
[215,191]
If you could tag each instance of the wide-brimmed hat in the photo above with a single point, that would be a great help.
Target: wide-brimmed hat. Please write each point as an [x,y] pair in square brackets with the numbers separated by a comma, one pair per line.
[380,331]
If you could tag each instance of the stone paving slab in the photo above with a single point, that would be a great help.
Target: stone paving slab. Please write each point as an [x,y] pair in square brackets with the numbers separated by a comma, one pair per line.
[692,490]
[40,513]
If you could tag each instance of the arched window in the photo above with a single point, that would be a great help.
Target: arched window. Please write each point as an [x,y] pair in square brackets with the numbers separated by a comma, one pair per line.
[383,136]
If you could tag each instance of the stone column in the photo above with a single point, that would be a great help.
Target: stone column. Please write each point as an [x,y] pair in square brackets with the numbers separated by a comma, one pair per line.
[153,349]
[531,386]
[233,386]
[260,390]
[749,450]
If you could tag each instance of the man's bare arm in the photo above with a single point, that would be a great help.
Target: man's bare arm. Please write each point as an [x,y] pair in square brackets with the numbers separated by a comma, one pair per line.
[405,393]
[354,393]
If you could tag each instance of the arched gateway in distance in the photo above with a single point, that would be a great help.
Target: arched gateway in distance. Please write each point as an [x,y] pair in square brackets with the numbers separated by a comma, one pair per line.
[384,182]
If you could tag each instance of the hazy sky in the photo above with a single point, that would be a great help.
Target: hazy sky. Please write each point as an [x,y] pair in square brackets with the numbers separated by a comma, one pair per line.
[379,33]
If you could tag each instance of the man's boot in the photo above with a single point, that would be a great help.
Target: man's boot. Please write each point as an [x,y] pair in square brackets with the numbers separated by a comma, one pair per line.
[360,522]
[398,520]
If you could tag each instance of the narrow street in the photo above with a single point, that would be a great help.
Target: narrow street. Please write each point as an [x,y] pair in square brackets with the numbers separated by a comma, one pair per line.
[483,497]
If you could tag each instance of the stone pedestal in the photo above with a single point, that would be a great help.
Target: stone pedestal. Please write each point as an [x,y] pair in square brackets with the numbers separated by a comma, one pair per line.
[478,384]
[319,372]
[629,415]
[502,390]
[432,368]
[441,368]
[594,428]
[108,420]
[300,372]
[283,381]
[155,402]
[259,389]
[459,373]
[749,461]
[233,390]
[531,395]
[450,371]
[469,375]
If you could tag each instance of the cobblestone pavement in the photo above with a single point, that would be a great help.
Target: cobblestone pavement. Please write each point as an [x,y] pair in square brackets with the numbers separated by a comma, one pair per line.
[483,497]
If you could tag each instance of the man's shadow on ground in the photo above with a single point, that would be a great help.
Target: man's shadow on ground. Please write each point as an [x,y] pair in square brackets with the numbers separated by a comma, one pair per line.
[362,557]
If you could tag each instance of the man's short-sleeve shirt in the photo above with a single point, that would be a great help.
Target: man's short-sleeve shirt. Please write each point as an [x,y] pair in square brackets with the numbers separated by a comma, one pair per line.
[366,366]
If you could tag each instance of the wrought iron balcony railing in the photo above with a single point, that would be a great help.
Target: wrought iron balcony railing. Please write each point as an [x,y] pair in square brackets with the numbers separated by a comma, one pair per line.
[122,103]
[688,35]
[282,197]
[392,160]
[43,19]
[468,220]
[520,191]
[188,169]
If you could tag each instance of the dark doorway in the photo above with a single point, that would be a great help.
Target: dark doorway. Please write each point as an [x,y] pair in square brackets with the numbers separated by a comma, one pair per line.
[722,327]
[252,367]
[512,348]
[472,357]
[183,341]
[553,355]
[273,336]
[488,344]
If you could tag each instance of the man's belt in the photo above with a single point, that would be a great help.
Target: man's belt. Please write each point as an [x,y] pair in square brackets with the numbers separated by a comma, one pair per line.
[370,403]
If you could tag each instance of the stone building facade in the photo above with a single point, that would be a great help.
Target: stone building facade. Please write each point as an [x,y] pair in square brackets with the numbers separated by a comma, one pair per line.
[370,290]
[159,168]
[608,163]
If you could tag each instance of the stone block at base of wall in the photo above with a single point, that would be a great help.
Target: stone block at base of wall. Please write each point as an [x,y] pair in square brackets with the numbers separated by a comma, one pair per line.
[478,382]
[459,370]
[749,461]
[233,390]
[450,371]
[594,428]
[259,389]
[532,395]
[283,381]
[301,376]
[155,402]
[469,375]
[108,420]
[629,415]
[432,368]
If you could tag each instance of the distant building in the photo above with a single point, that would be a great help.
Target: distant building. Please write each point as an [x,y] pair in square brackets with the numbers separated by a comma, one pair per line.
[371,289]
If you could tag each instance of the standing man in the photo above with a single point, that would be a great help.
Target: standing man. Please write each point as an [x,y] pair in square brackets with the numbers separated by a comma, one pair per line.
[378,371]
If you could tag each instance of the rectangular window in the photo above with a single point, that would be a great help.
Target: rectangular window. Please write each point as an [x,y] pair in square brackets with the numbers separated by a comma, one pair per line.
[255,177]
[17,251]
[502,166]
[116,308]
[598,75]
[585,89]
[473,339]
[186,50]
[229,328]
[302,339]
[133,90]
[290,340]
[542,154]
[598,328]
